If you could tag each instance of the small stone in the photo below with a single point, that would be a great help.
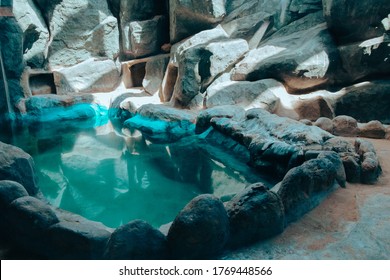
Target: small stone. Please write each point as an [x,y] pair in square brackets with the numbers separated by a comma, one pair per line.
[345,126]
[325,124]
[372,129]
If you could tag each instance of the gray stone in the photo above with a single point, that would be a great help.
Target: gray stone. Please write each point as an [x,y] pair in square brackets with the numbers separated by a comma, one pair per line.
[325,124]
[352,168]
[18,166]
[35,32]
[137,240]
[190,17]
[254,214]
[143,38]
[90,76]
[305,186]
[75,240]
[338,165]
[355,21]
[200,230]
[154,75]
[365,101]
[247,94]
[372,129]
[29,217]
[200,65]
[345,126]
[74,40]
[228,111]
[370,168]
[302,55]
[9,191]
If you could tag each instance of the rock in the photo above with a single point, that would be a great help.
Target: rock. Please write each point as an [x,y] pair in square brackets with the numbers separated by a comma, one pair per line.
[76,240]
[18,166]
[74,40]
[160,123]
[340,146]
[313,108]
[228,111]
[355,21]
[254,214]
[200,230]
[302,55]
[200,65]
[345,126]
[143,38]
[154,75]
[300,8]
[90,76]
[325,124]
[9,191]
[370,168]
[338,165]
[188,17]
[29,217]
[35,32]
[306,122]
[305,186]
[372,129]
[365,101]
[352,169]
[137,240]
[258,94]
[365,59]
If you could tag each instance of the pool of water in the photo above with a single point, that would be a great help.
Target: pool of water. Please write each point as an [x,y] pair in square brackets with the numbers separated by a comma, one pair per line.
[115,177]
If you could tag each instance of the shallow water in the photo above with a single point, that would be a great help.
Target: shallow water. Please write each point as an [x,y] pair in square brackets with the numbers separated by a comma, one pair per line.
[113,177]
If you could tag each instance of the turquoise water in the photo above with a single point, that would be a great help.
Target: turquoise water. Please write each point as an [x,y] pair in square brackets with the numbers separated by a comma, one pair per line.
[115,176]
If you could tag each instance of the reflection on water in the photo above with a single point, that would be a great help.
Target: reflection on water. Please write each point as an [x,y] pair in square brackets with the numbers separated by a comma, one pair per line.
[116,177]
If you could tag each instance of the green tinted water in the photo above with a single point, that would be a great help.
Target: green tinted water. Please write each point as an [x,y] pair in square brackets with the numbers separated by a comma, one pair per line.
[113,178]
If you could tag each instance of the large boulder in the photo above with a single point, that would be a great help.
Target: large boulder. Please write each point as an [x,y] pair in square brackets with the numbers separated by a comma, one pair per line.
[75,239]
[90,76]
[352,21]
[259,94]
[18,166]
[35,32]
[200,230]
[365,101]
[154,74]
[137,240]
[254,214]
[74,40]
[200,65]
[9,191]
[302,55]
[142,38]
[189,17]
[305,186]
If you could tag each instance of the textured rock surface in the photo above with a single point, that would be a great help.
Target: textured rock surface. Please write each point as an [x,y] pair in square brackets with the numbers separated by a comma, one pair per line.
[137,240]
[89,76]
[200,230]
[345,126]
[74,40]
[254,214]
[18,166]
[9,191]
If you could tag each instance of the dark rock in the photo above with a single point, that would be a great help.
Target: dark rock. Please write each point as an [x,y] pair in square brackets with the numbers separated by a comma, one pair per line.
[345,126]
[365,101]
[363,146]
[338,164]
[370,168]
[18,166]
[313,108]
[305,186]
[325,124]
[136,240]
[9,191]
[29,217]
[228,111]
[76,240]
[254,214]
[372,129]
[352,168]
[200,230]
[352,21]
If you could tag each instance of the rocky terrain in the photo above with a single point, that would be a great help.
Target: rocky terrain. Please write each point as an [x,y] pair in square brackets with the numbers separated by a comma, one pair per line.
[277,84]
